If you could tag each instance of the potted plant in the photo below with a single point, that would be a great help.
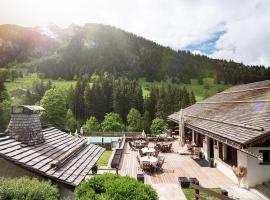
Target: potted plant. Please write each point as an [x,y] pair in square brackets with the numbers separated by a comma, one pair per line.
[94,169]
[200,155]
[211,162]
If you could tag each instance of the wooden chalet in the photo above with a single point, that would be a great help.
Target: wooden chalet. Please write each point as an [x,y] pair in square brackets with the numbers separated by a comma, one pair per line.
[26,149]
[233,128]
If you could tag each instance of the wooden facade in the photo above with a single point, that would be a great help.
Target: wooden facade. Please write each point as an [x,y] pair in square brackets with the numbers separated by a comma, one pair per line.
[238,117]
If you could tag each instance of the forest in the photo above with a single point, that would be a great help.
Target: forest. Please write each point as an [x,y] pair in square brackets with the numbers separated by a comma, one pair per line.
[104,66]
[96,48]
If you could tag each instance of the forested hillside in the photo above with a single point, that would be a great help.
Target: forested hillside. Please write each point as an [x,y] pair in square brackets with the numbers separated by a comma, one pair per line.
[106,79]
[74,51]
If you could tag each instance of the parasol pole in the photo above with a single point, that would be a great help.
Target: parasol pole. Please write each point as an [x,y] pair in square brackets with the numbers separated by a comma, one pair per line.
[181,128]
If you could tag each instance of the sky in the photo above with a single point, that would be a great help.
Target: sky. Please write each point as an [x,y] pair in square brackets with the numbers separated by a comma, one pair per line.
[229,29]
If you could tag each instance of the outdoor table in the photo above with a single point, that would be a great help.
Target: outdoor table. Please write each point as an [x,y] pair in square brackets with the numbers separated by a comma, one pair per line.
[151,159]
[148,150]
[163,145]
[139,143]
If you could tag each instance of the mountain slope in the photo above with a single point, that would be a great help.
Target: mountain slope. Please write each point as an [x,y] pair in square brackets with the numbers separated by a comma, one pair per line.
[20,44]
[96,48]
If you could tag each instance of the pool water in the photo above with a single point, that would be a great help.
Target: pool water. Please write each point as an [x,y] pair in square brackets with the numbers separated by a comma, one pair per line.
[96,140]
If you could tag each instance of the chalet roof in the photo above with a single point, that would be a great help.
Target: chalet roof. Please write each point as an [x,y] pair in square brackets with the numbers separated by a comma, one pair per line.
[43,158]
[33,108]
[240,114]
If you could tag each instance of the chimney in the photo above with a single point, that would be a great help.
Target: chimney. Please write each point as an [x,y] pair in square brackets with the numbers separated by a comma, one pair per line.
[25,126]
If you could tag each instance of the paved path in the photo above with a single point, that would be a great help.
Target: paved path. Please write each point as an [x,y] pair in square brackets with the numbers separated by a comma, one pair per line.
[169,191]
[244,194]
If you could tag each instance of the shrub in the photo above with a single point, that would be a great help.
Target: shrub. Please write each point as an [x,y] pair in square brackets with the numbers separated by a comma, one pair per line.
[112,122]
[27,189]
[91,124]
[114,187]
[135,120]
[158,126]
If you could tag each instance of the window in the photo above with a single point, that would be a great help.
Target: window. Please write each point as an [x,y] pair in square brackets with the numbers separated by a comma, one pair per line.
[220,150]
[266,156]
[231,156]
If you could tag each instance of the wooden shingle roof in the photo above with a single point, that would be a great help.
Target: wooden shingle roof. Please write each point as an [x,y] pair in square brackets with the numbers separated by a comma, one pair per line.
[39,158]
[240,114]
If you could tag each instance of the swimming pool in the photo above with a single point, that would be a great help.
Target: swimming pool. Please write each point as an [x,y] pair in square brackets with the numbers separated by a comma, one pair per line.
[96,140]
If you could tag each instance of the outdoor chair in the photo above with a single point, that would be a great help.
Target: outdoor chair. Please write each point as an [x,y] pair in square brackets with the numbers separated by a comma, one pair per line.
[158,147]
[139,162]
[141,153]
[131,146]
[156,153]
[160,163]
[146,166]
[170,147]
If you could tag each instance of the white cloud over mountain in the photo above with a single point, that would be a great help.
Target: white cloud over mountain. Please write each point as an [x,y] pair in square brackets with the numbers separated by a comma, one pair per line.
[238,30]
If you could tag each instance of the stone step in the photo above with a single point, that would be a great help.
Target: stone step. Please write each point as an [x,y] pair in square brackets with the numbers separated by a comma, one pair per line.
[265,190]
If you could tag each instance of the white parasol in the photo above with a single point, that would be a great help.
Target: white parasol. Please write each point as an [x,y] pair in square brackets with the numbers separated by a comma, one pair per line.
[143,134]
[181,128]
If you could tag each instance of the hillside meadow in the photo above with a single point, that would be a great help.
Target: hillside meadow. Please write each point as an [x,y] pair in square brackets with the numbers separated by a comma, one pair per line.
[208,88]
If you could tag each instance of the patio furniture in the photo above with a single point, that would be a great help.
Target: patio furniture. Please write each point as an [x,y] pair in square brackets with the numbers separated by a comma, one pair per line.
[147,150]
[151,145]
[156,153]
[184,182]
[160,163]
[140,143]
[141,153]
[131,146]
[139,162]
[149,159]
[167,147]
[146,166]
[140,177]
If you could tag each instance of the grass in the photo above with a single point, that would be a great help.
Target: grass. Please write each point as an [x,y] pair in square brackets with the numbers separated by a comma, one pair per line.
[189,193]
[199,90]
[15,88]
[104,159]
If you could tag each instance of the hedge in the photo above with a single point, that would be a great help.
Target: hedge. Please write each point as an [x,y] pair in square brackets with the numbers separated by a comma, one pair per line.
[114,187]
[27,189]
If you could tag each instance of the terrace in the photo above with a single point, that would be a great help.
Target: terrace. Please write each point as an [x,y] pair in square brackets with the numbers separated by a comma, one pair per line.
[175,166]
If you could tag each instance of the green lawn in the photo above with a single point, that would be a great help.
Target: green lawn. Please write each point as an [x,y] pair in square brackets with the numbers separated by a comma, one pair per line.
[199,90]
[15,88]
[104,159]
[189,193]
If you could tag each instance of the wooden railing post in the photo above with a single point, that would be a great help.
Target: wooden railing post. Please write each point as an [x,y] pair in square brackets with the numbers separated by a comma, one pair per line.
[197,191]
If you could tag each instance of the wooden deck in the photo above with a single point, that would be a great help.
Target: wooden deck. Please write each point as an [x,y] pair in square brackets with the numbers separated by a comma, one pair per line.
[175,165]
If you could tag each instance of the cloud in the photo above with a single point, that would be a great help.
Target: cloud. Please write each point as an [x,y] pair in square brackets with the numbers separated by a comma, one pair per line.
[228,29]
